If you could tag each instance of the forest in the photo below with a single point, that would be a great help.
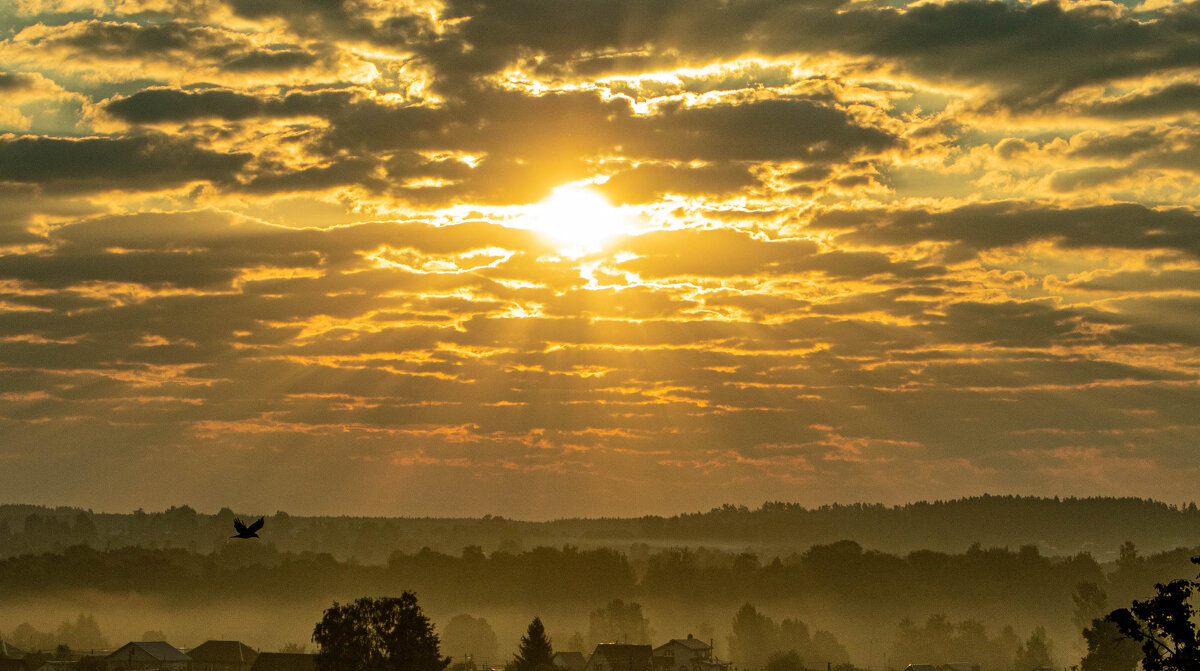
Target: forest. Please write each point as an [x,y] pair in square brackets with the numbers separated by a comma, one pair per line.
[985,599]
[1059,527]
[732,575]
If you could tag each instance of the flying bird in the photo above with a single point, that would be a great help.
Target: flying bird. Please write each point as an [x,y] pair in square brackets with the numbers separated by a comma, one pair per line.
[244,531]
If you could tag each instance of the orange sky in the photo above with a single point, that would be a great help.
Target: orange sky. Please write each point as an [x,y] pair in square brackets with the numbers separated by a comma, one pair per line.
[543,258]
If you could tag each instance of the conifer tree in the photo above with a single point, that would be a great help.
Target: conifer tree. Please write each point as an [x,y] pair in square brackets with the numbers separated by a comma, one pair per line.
[535,650]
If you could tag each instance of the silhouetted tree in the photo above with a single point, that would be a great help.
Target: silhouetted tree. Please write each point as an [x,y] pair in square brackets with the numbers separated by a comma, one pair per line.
[576,643]
[535,651]
[826,648]
[1090,603]
[380,634]
[1035,652]
[938,640]
[754,637]
[1107,649]
[30,639]
[465,635]
[1164,626]
[619,622]
[84,634]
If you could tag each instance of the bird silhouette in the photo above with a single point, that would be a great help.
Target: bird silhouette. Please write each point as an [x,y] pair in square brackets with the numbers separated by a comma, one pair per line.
[244,531]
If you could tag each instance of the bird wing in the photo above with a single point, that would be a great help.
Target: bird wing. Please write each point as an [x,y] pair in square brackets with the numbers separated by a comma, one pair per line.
[237,524]
[257,525]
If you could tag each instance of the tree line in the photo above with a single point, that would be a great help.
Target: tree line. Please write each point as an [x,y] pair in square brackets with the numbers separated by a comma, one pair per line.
[1064,526]
[1158,633]
[838,573]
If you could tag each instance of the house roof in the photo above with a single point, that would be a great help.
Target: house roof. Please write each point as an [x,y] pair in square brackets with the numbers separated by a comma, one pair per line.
[223,652]
[284,661]
[9,651]
[571,661]
[160,650]
[625,656]
[691,642]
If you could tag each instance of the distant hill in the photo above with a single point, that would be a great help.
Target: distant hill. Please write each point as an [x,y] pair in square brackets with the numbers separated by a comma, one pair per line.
[1058,527]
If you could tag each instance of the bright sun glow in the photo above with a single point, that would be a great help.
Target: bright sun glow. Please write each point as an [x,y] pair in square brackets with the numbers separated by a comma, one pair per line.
[578,219]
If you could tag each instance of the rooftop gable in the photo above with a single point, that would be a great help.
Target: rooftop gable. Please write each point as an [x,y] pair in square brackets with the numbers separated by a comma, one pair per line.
[160,650]
[223,652]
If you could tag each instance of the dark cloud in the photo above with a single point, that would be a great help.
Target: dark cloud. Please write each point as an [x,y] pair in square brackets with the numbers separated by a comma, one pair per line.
[1031,53]
[144,162]
[174,105]
[1180,98]
[974,228]
[180,43]
[344,19]
[158,105]
[650,181]
[711,253]
[768,130]
[345,172]
[532,143]
[15,81]
[271,61]
[1118,145]
[107,39]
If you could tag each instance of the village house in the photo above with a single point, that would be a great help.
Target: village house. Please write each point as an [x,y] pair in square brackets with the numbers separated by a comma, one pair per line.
[12,658]
[9,651]
[222,656]
[621,657]
[144,655]
[569,661]
[687,654]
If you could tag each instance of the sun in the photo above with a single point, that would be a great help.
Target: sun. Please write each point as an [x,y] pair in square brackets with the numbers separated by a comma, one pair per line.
[577,219]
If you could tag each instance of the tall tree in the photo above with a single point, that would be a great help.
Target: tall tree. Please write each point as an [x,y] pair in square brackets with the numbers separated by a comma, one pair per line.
[755,636]
[1090,603]
[1164,626]
[465,635]
[619,622]
[383,634]
[1035,652]
[1107,649]
[535,651]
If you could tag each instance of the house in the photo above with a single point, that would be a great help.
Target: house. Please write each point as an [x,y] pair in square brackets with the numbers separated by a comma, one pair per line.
[57,665]
[284,661]
[13,658]
[569,661]
[687,654]
[138,655]
[222,656]
[620,657]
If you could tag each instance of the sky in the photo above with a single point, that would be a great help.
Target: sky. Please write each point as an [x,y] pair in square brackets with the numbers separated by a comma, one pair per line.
[547,258]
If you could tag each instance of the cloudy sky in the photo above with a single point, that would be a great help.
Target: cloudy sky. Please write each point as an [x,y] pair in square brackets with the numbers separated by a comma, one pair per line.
[542,258]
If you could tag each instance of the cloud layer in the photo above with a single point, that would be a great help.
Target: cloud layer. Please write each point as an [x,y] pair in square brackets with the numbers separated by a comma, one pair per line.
[286,254]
